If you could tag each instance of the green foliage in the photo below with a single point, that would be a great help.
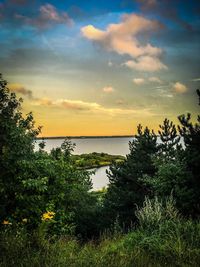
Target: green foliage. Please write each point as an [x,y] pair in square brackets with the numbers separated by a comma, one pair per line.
[170,142]
[33,183]
[191,135]
[17,135]
[46,199]
[126,190]
[155,212]
[64,151]
[95,160]
[169,243]
[178,170]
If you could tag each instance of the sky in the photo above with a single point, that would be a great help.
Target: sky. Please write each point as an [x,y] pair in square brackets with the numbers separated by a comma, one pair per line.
[101,67]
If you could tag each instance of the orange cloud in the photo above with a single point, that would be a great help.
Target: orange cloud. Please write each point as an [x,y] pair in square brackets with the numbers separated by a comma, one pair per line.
[146,63]
[91,107]
[122,38]
[108,89]
[139,81]
[179,87]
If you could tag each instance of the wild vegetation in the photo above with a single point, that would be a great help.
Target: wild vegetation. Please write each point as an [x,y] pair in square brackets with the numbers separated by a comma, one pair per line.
[95,160]
[148,216]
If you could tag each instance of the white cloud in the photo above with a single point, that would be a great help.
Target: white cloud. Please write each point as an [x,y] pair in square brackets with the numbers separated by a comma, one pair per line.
[110,64]
[196,80]
[108,89]
[146,63]
[179,87]
[139,81]
[122,38]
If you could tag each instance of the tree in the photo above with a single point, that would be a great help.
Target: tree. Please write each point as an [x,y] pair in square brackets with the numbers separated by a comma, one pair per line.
[170,141]
[33,183]
[126,189]
[17,137]
[191,136]
[178,169]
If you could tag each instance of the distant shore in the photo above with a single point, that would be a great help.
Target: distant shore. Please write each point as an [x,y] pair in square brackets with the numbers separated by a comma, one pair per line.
[84,137]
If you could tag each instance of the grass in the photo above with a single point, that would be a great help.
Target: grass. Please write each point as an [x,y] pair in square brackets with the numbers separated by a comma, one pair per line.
[162,238]
[171,244]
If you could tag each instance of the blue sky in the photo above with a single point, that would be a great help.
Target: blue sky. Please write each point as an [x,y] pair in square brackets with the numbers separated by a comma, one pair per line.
[101,67]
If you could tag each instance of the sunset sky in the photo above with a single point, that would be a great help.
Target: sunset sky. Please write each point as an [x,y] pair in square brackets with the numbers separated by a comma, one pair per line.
[101,67]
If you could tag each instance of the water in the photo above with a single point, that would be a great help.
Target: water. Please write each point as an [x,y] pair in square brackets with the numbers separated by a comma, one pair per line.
[99,179]
[112,146]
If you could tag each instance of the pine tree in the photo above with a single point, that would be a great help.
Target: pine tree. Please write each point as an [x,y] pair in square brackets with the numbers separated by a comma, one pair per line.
[191,135]
[170,141]
[126,190]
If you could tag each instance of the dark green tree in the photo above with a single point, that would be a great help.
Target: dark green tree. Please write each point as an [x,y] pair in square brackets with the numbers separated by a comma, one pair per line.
[190,133]
[17,137]
[126,189]
[178,168]
[33,182]
[170,141]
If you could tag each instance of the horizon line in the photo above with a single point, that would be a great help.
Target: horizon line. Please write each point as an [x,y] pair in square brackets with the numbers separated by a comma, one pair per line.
[83,136]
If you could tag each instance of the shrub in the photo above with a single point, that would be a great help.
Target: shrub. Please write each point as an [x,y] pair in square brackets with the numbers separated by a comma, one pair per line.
[155,212]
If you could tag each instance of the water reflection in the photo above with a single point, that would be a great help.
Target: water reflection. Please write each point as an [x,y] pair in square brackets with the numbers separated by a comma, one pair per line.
[100,179]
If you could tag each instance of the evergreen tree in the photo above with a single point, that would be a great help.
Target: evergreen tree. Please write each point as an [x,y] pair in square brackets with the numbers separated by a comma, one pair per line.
[191,135]
[170,141]
[126,190]
[178,169]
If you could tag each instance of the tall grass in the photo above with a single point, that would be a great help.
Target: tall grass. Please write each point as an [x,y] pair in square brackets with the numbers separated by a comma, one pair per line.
[162,238]
[155,212]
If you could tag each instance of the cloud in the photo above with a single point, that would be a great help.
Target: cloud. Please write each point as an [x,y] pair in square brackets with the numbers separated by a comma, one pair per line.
[18,88]
[108,89]
[91,107]
[146,63]
[155,80]
[164,92]
[48,16]
[196,80]
[139,81]
[123,39]
[179,87]
[110,64]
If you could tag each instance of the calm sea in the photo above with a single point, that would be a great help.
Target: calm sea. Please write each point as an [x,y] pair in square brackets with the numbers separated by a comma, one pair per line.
[113,146]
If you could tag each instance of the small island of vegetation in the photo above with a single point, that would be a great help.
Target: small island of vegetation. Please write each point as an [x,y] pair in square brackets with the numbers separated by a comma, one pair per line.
[96,160]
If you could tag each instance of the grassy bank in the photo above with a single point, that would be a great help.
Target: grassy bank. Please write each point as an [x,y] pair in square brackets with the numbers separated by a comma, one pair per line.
[172,243]
[95,160]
